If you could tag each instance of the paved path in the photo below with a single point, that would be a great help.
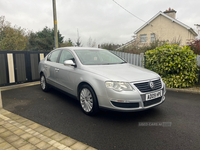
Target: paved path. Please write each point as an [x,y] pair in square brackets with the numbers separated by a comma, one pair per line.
[18,133]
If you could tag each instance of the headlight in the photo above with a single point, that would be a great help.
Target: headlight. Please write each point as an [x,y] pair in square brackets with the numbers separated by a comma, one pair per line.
[118,86]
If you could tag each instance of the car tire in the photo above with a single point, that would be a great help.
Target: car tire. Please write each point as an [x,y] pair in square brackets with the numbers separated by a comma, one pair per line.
[43,83]
[88,100]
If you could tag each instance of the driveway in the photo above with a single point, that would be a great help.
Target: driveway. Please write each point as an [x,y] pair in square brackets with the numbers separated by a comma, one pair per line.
[113,130]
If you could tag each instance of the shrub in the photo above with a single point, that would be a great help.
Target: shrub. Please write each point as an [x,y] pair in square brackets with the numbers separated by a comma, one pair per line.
[176,65]
[195,46]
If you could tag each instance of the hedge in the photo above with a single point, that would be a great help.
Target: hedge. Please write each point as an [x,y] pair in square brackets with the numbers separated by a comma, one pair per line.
[176,65]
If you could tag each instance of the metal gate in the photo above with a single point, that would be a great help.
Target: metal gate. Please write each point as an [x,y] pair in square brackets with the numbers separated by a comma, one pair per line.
[19,66]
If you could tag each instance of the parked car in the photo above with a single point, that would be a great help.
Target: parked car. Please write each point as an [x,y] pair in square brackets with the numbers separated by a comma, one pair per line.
[100,79]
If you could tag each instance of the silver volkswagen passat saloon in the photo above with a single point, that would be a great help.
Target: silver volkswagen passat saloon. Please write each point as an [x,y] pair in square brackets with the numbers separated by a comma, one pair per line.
[100,79]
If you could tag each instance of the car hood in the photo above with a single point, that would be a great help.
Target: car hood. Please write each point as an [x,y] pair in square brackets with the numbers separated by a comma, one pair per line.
[122,72]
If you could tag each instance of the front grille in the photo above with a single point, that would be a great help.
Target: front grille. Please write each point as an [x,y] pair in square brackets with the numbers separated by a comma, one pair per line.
[152,102]
[145,87]
[125,105]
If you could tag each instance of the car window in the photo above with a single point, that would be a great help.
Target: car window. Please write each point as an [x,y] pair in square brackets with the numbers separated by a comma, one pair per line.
[53,56]
[65,55]
[48,57]
[98,57]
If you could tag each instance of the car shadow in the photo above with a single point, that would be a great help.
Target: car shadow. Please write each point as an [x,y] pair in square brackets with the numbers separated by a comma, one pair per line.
[136,116]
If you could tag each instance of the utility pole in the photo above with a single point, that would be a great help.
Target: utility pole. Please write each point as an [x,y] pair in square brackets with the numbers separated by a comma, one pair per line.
[55,24]
[1,104]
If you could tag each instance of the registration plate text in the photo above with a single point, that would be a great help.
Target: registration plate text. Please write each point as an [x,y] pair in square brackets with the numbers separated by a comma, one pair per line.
[153,95]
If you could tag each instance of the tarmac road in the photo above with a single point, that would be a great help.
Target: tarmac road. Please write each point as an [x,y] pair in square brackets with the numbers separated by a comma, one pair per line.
[113,130]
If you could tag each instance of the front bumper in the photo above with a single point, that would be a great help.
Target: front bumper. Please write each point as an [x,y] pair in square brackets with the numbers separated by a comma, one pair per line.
[134,107]
[130,101]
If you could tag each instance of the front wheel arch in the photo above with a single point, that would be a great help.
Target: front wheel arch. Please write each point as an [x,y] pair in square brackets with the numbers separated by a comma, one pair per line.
[95,108]
[79,87]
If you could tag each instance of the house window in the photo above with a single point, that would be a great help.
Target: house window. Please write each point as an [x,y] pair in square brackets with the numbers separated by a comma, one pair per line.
[153,38]
[143,38]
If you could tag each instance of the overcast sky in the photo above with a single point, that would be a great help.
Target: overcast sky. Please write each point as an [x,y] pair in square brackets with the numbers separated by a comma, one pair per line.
[102,20]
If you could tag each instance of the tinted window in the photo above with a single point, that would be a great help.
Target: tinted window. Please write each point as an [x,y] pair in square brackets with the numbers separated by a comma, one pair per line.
[54,56]
[65,55]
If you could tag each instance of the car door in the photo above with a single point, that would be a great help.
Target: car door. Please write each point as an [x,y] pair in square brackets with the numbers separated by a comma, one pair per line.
[66,74]
[50,67]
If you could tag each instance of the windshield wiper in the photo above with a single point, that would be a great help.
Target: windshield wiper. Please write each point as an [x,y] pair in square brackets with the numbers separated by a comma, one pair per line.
[123,62]
[113,63]
[106,63]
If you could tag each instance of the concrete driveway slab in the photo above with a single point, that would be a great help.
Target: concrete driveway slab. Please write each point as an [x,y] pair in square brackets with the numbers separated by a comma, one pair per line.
[176,118]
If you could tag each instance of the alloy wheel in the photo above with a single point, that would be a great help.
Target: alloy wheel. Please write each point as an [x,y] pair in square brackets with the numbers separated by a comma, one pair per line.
[42,82]
[86,100]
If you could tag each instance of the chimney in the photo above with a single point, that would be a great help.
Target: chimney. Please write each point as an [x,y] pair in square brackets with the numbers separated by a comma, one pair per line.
[171,12]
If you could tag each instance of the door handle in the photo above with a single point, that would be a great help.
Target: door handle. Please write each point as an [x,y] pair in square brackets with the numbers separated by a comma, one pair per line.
[56,69]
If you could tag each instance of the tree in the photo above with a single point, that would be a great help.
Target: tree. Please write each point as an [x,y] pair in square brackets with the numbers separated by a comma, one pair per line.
[43,40]
[91,43]
[109,46]
[70,43]
[11,38]
[195,46]
[67,43]
[78,41]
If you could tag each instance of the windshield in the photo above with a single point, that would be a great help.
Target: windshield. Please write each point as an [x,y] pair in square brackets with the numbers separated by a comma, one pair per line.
[98,57]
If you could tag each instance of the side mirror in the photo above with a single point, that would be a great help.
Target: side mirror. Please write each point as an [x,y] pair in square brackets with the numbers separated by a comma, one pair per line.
[69,63]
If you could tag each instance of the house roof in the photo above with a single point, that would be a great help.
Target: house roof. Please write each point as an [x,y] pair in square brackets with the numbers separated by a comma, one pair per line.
[126,44]
[172,19]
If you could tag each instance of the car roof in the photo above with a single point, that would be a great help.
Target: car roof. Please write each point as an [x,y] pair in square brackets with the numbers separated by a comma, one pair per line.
[81,48]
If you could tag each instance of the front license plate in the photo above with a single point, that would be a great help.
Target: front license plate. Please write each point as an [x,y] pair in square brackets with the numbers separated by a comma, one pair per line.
[153,95]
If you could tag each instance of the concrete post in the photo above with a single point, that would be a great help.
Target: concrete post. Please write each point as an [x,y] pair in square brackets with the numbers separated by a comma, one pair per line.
[55,24]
